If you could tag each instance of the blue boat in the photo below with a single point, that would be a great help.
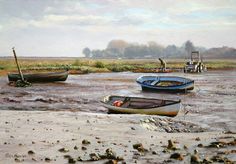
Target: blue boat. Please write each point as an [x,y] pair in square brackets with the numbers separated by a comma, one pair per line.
[165,83]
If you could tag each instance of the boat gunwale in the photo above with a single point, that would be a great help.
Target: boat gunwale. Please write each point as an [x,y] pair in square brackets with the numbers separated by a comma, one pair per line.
[36,74]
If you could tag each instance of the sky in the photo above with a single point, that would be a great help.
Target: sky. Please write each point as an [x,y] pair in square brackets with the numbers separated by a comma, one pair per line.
[64,27]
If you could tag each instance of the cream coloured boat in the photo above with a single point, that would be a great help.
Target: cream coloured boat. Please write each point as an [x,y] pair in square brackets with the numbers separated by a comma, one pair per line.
[140,105]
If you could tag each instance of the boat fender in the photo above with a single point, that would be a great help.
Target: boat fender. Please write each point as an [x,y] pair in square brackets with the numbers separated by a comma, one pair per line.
[117,103]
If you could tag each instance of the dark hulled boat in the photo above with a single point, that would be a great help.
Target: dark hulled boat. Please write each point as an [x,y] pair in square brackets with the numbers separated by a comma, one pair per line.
[40,77]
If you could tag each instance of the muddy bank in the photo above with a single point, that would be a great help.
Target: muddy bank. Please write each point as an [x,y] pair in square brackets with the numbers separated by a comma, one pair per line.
[62,137]
[64,122]
[211,104]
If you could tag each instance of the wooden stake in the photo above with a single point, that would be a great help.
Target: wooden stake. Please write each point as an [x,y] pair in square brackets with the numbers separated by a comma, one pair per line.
[18,67]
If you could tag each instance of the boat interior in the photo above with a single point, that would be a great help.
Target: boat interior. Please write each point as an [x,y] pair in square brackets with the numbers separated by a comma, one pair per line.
[164,83]
[140,103]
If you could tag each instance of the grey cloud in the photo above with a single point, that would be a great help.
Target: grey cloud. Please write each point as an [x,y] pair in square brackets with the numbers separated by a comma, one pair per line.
[126,21]
[26,9]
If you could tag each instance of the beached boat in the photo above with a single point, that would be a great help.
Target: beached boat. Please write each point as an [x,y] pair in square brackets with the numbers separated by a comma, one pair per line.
[165,83]
[139,105]
[40,77]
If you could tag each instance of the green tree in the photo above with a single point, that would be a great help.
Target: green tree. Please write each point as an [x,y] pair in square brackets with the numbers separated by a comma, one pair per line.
[86,52]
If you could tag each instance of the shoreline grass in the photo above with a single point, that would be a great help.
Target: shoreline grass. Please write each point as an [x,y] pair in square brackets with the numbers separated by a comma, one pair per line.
[83,65]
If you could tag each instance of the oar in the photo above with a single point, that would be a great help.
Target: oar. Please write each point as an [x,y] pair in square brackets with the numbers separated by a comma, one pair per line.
[18,66]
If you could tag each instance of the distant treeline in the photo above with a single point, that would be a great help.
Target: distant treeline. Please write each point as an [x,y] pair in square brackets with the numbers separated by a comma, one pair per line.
[125,50]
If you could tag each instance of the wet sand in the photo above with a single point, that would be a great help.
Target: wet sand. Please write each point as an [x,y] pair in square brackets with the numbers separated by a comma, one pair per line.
[46,117]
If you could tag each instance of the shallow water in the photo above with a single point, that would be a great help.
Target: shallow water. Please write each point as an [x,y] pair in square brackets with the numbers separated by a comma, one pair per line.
[211,104]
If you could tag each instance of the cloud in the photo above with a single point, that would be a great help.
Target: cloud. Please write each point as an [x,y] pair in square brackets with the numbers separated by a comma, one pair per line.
[66,27]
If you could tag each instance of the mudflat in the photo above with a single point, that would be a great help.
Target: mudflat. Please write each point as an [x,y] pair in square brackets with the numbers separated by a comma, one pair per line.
[65,122]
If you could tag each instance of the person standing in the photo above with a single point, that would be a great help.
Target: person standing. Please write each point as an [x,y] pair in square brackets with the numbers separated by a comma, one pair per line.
[163,64]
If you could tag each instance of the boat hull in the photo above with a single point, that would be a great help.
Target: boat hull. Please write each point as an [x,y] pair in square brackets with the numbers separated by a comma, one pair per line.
[168,110]
[40,77]
[186,84]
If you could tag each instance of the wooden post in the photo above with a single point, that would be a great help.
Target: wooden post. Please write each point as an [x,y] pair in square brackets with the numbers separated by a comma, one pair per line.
[18,67]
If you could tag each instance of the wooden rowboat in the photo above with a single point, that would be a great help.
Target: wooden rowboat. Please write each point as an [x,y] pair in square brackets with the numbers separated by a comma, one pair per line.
[139,105]
[165,83]
[40,77]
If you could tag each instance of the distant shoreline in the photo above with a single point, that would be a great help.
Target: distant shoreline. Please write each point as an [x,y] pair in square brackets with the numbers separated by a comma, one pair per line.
[87,65]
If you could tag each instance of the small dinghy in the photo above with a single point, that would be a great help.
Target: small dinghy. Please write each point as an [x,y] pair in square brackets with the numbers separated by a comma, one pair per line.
[165,83]
[40,77]
[139,105]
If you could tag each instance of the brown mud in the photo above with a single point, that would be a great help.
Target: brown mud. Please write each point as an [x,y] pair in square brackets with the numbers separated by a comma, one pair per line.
[212,103]
[31,130]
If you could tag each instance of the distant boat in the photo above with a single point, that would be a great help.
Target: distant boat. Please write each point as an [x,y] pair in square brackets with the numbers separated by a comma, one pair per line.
[40,77]
[165,83]
[139,105]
